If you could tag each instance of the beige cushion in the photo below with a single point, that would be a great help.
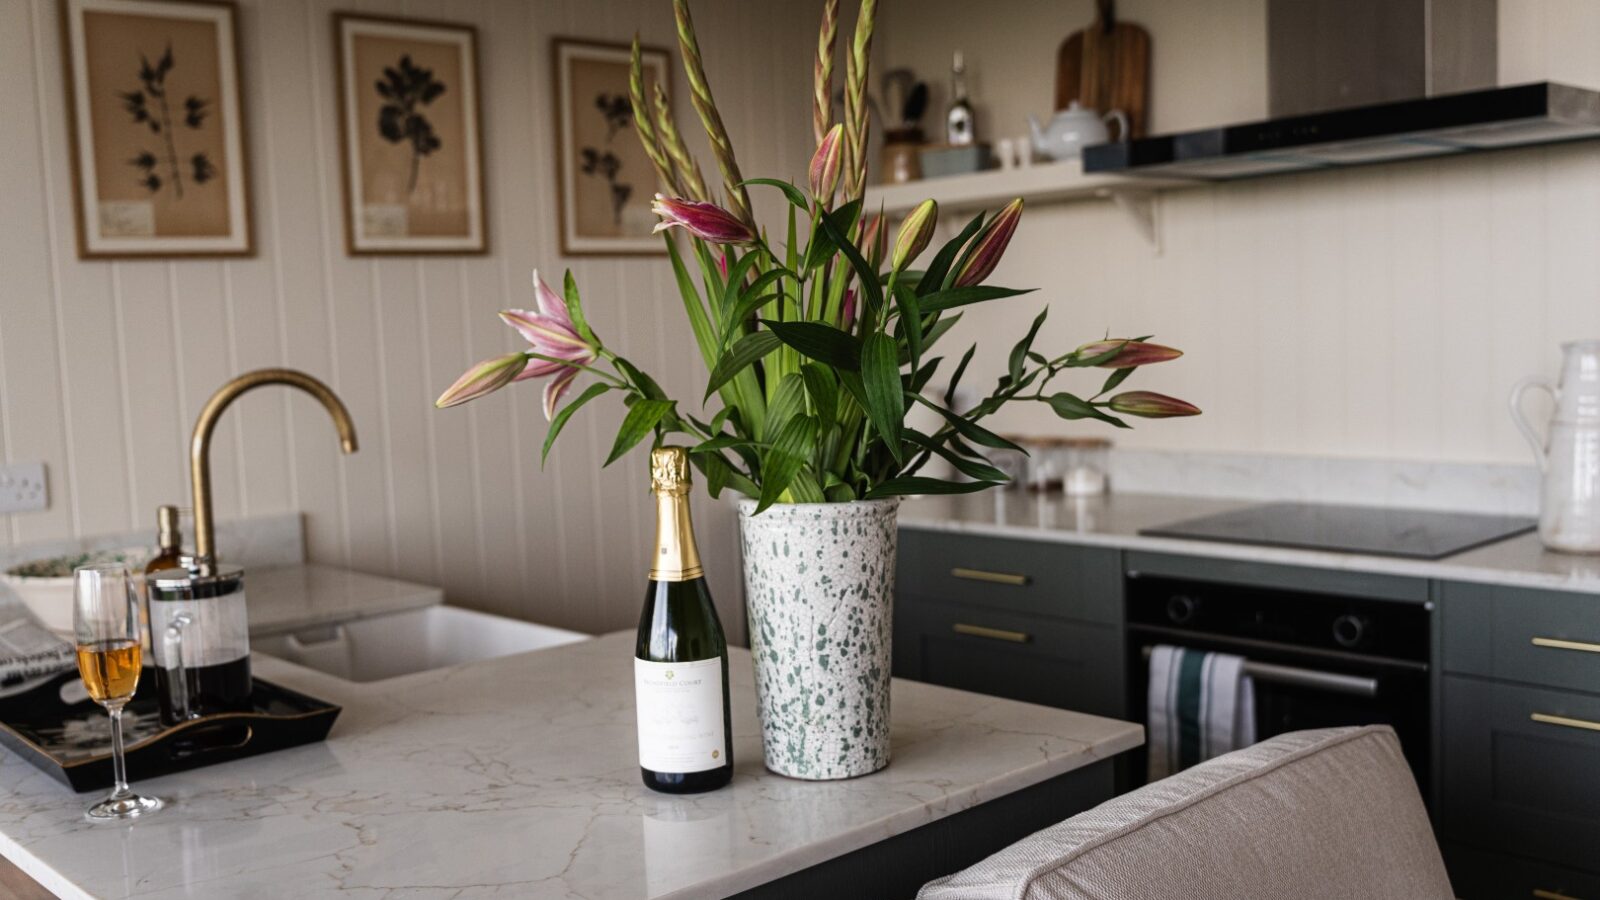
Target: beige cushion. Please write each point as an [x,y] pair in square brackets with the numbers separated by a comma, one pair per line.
[1332,813]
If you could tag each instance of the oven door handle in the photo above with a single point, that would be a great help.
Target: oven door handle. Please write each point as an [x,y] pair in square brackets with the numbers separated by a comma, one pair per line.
[1316,679]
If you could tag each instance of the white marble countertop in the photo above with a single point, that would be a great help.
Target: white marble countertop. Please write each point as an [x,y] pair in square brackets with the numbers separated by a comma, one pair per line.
[1116,519]
[286,598]
[518,777]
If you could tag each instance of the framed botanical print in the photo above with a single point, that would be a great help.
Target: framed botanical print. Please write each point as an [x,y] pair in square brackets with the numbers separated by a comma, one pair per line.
[409,115]
[605,178]
[158,148]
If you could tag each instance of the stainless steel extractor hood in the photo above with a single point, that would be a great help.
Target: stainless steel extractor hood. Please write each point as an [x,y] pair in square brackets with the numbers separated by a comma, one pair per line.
[1539,113]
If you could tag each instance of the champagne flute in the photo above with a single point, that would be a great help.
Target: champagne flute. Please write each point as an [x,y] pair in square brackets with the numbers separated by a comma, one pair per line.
[105,618]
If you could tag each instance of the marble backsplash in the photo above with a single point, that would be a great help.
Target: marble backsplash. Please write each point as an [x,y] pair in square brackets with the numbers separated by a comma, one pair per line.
[258,542]
[1469,487]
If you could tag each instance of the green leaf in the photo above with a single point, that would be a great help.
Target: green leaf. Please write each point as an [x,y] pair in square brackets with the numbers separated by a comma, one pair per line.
[915,484]
[823,343]
[824,244]
[910,322]
[886,402]
[643,382]
[823,389]
[970,430]
[804,488]
[788,400]
[920,379]
[699,323]
[932,335]
[961,369]
[785,459]
[575,309]
[1117,377]
[565,413]
[746,307]
[719,473]
[731,288]
[962,296]
[641,418]
[745,351]
[1019,353]
[795,195]
[1068,406]
[939,270]
[972,468]
[868,276]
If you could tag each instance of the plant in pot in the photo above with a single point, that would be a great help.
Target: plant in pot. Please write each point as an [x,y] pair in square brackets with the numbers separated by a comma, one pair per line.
[816,350]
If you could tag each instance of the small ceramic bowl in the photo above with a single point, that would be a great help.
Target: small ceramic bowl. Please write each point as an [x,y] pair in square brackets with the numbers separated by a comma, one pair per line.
[45,585]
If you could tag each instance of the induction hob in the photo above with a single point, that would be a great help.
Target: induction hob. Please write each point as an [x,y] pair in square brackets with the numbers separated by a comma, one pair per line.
[1377,531]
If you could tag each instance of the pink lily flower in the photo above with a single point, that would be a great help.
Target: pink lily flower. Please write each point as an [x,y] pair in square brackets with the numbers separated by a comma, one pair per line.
[1151,405]
[484,378]
[1129,353]
[550,332]
[990,245]
[823,174]
[706,221]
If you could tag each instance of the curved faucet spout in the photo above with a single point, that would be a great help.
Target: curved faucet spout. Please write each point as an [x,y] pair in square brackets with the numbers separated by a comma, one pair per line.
[200,443]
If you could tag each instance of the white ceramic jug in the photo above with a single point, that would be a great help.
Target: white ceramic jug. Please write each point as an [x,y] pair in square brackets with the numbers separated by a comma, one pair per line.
[1569,457]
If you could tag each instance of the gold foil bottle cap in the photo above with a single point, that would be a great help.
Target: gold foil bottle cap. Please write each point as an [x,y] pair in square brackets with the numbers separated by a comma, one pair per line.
[669,470]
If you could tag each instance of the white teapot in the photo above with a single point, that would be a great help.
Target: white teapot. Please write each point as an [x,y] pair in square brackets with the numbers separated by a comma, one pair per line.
[1569,455]
[1074,128]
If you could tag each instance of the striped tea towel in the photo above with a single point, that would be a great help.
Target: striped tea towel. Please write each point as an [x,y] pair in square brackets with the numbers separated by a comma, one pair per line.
[1201,705]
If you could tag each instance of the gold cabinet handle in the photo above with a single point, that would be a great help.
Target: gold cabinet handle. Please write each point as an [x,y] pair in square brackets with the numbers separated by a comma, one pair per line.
[1559,644]
[1565,721]
[994,634]
[1543,894]
[990,577]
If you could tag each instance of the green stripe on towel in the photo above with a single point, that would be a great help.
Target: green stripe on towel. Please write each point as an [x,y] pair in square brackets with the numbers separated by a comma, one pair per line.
[1190,690]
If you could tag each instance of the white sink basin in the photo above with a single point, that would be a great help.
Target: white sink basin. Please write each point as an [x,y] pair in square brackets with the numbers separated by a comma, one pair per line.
[417,640]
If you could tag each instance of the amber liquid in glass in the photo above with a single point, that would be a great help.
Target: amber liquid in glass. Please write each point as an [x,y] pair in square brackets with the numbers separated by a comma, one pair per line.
[110,669]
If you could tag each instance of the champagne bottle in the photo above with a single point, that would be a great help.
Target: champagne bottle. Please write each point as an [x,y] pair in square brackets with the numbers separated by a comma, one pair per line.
[680,662]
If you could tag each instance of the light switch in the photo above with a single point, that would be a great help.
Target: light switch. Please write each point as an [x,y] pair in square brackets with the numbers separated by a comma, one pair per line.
[23,488]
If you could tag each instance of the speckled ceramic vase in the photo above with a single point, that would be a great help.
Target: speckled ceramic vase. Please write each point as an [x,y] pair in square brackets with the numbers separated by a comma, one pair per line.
[819,579]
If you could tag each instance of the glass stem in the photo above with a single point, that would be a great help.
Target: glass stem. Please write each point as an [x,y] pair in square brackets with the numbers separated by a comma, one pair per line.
[118,765]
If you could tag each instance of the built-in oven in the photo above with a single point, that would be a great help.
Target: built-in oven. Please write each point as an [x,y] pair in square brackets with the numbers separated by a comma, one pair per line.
[1316,660]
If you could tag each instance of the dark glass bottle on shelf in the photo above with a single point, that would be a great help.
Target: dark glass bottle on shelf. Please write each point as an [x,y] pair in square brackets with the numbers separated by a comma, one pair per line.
[681,657]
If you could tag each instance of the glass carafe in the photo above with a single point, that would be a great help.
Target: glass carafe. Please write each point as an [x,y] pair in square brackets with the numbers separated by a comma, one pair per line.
[199,642]
[1569,455]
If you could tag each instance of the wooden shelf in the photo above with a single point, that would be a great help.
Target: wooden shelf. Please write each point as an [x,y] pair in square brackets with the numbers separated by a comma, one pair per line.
[1042,182]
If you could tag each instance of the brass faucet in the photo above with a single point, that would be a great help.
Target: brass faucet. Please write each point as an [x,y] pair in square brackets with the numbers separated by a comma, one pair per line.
[200,443]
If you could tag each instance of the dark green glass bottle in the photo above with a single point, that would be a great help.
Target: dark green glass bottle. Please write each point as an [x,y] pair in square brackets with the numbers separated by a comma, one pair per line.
[681,658]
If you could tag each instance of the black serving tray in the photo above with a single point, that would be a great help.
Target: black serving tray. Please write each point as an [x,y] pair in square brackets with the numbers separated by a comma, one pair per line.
[71,742]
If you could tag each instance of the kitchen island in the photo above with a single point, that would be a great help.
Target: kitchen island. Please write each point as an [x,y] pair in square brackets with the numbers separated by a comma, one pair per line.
[518,777]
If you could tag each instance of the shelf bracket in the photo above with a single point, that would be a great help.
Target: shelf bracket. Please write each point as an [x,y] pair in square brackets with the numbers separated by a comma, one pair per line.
[1141,208]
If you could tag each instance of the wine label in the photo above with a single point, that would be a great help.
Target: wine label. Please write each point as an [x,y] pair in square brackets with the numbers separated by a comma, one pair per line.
[680,715]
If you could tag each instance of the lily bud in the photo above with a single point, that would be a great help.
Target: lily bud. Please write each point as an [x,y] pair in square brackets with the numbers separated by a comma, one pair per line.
[706,221]
[825,164]
[1132,353]
[875,241]
[1150,405]
[848,314]
[484,378]
[990,245]
[915,233]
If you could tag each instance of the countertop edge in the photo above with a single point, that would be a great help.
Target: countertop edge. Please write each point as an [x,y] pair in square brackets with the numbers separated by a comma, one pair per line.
[1437,570]
[893,826]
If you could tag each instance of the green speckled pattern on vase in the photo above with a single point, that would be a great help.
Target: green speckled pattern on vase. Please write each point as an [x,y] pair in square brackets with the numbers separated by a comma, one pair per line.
[819,581]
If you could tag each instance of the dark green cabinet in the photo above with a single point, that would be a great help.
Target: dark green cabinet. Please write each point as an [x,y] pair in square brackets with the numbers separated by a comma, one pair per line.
[1520,736]
[1032,621]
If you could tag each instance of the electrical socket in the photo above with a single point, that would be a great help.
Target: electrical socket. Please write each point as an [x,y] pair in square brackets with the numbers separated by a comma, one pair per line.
[23,488]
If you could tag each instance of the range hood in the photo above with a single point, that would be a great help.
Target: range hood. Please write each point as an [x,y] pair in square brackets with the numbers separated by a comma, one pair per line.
[1540,113]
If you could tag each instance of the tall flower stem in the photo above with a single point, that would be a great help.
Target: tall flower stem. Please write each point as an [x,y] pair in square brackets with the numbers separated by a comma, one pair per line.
[706,106]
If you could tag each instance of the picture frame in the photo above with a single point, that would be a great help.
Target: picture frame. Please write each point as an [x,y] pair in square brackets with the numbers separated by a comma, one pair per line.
[603,176]
[410,136]
[151,177]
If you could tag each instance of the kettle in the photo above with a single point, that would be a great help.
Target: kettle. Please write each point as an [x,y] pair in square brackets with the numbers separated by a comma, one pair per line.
[1569,455]
[1072,129]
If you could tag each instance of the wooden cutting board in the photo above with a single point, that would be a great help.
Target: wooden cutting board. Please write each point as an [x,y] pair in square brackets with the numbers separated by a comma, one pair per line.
[1106,66]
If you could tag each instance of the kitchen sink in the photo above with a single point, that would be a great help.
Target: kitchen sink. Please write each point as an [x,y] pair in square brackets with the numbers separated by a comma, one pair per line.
[404,643]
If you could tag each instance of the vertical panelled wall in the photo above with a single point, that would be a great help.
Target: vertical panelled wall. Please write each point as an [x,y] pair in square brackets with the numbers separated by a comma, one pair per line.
[104,365]
[1380,312]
